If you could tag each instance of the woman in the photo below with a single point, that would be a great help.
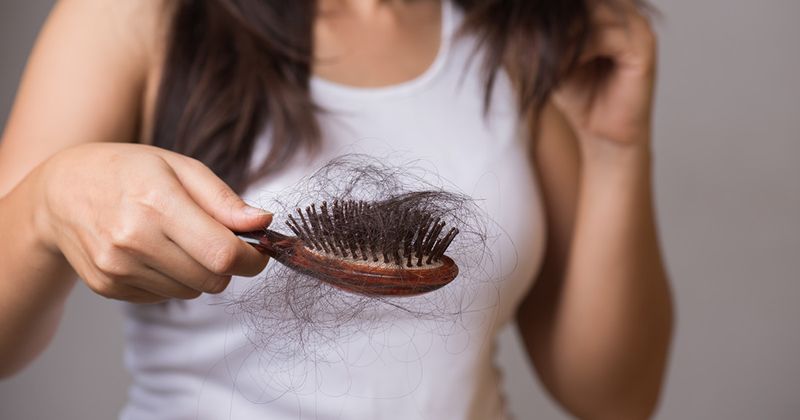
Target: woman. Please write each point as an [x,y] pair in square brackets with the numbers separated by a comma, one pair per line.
[86,191]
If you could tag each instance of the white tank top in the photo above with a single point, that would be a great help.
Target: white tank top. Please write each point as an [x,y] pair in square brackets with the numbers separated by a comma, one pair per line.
[193,360]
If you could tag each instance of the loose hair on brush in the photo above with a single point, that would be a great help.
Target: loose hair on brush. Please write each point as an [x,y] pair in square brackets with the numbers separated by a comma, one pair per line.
[235,67]
[294,314]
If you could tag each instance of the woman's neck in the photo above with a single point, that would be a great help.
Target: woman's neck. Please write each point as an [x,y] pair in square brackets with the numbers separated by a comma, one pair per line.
[357,7]
[369,43]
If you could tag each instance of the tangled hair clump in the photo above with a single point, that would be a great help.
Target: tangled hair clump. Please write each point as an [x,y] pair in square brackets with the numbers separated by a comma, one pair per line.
[293,315]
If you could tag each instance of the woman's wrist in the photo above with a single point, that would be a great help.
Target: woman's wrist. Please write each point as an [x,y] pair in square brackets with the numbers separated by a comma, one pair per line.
[29,201]
[616,157]
[34,262]
[35,281]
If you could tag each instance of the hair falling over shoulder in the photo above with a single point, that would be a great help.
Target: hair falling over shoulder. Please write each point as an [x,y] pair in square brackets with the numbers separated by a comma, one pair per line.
[234,67]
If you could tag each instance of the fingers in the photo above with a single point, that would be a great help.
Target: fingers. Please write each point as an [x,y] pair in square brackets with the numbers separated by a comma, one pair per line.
[123,278]
[136,295]
[128,275]
[139,262]
[621,33]
[208,242]
[215,197]
[159,226]
[153,282]
[174,263]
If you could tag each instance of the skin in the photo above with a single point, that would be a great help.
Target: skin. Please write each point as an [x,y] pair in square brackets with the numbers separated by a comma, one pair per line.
[597,324]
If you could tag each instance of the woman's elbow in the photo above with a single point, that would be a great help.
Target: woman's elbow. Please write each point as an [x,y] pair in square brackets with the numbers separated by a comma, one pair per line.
[638,405]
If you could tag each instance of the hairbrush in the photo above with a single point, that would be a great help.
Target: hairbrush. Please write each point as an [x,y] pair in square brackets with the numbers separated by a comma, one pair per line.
[369,248]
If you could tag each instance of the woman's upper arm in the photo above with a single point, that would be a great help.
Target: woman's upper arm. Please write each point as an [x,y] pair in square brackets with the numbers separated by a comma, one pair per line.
[84,82]
[557,160]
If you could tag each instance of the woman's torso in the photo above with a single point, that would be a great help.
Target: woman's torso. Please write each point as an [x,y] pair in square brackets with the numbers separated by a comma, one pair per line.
[194,359]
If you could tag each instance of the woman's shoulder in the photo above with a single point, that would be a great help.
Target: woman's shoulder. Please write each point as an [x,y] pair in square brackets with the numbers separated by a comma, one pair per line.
[135,26]
[88,77]
[130,36]
[146,25]
[125,36]
[135,30]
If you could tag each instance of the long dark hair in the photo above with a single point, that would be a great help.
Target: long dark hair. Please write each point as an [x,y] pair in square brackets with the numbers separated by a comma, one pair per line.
[234,67]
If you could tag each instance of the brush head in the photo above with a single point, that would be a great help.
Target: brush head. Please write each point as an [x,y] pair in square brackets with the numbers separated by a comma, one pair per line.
[376,233]
[377,249]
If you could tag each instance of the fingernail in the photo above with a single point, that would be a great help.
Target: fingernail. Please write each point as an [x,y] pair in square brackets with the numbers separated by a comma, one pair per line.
[254,211]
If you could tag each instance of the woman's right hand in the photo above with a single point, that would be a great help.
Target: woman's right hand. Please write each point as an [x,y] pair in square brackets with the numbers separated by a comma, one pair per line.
[142,224]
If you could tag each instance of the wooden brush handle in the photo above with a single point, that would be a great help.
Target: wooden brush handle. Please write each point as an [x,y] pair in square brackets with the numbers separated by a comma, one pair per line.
[354,276]
[268,241]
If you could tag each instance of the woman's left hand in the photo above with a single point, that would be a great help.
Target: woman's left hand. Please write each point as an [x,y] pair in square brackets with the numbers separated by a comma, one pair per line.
[608,97]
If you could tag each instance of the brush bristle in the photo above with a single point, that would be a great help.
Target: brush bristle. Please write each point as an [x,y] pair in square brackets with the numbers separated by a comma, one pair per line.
[376,232]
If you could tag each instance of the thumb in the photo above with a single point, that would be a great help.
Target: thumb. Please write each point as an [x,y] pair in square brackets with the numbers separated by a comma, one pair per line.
[215,197]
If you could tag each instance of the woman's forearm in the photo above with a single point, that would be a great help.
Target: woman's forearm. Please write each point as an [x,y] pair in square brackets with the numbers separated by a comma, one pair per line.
[34,281]
[614,324]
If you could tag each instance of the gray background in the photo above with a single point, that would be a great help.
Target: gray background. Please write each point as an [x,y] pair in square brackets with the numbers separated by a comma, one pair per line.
[728,165]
